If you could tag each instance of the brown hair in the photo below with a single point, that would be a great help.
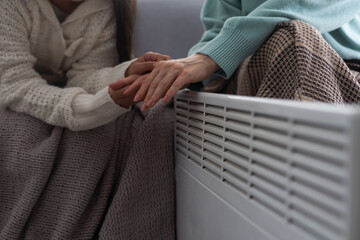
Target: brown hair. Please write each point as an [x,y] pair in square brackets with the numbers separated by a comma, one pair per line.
[125,13]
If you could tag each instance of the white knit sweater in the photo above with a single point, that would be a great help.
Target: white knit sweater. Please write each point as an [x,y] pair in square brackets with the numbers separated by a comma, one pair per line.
[82,47]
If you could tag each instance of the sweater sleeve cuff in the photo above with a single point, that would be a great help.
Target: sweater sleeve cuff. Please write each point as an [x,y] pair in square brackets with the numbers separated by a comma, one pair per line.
[91,111]
[228,50]
[118,72]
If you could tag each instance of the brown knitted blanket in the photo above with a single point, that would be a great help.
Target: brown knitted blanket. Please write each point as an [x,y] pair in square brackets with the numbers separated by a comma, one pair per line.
[295,63]
[112,182]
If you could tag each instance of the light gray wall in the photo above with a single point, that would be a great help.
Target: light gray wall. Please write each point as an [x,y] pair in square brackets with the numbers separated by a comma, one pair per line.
[169,27]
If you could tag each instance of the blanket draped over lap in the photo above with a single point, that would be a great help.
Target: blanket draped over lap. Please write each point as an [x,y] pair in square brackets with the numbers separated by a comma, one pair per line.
[112,182]
[295,63]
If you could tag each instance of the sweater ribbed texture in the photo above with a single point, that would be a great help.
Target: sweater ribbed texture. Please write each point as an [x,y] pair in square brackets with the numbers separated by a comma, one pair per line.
[222,46]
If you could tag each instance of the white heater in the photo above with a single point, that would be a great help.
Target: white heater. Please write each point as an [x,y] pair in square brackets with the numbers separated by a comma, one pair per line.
[252,169]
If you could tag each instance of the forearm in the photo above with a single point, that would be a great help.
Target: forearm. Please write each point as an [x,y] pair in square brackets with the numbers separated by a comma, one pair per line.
[35,97]
[92,111]
[72,108]
[93,81]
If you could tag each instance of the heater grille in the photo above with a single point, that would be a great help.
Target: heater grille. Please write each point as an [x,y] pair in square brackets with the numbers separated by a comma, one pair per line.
[293,166]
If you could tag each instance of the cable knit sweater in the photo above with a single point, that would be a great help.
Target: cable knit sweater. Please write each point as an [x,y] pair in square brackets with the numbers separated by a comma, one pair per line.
[82,48]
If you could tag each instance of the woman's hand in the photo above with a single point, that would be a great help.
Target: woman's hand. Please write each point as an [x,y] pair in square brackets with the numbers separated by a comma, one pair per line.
[117,93]
[168,77]
[134,76]
[145,63]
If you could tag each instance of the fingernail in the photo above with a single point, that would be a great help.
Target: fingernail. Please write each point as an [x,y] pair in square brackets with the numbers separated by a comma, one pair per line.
[126,91]
[165,99]
[150,103]
[137,98]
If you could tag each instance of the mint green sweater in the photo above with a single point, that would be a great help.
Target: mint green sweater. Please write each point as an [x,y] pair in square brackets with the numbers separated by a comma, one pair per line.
[235,29]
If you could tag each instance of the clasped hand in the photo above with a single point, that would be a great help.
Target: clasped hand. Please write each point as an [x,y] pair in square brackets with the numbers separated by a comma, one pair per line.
[155,76]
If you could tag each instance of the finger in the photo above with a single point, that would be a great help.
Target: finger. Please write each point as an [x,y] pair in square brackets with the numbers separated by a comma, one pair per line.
[155,57]
[125,102]
[151,56]
[135,86]
[145,56]
[153,97]
[141,93]
[168,70]
[175,87]
[140,68]
[144,67]
[154,84]
[123,82]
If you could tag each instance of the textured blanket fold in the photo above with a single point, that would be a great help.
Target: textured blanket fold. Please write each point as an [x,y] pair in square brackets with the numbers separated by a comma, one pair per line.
[112,182]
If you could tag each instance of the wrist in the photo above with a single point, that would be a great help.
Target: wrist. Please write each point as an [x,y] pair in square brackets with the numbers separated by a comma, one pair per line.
[208,61]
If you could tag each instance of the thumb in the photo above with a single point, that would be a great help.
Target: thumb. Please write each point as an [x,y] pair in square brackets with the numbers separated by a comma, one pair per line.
[123,82]
[144,67]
